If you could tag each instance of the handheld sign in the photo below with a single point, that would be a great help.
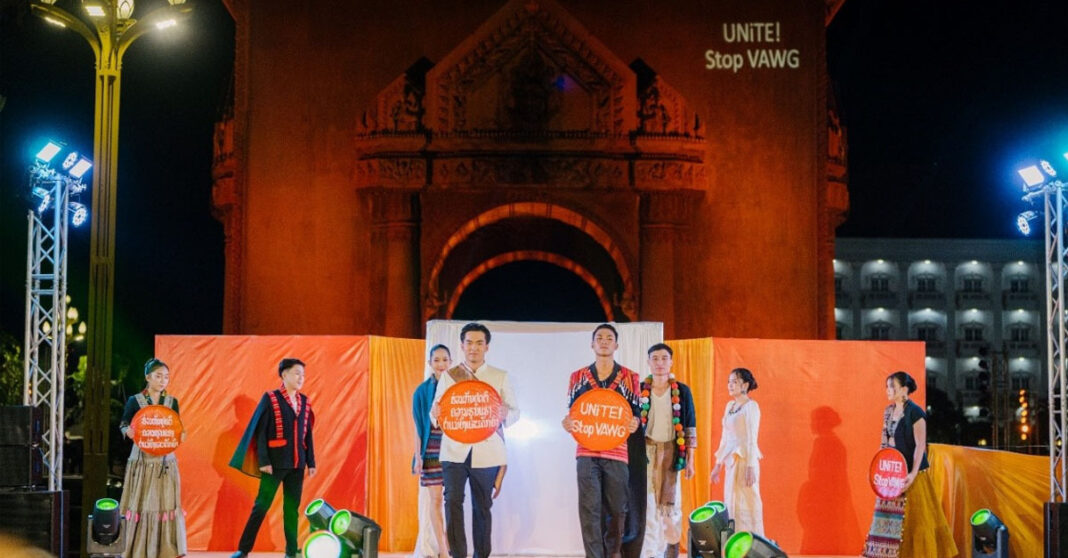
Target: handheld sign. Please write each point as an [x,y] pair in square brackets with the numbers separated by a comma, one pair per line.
[888,473]
[601,419]
[157,430]
[470,411]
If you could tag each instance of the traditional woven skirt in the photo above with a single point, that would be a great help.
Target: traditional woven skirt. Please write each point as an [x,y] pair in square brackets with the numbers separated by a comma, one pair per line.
[151,504]
[912,526]
[432,474]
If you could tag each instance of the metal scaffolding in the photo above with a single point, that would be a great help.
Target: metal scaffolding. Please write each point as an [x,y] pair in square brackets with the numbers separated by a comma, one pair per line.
[44,366]
[1056,274]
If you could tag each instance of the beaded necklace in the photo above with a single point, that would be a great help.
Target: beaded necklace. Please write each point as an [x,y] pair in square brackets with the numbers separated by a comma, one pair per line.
[676,415]
[162,396]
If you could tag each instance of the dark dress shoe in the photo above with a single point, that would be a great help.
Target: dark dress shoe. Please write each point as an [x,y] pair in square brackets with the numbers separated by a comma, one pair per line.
[239,554]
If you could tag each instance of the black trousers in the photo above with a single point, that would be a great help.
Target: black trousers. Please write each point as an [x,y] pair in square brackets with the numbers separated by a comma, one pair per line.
[292,481]
[634,532]
[481,479]
[602,498]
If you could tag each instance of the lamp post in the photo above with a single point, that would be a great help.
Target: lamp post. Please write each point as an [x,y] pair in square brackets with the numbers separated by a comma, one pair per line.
[111,31]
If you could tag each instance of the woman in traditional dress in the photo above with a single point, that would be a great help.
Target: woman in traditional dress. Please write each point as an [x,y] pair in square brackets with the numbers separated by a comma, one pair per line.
[911,525]
[738,456]
[152,491]
[425,462]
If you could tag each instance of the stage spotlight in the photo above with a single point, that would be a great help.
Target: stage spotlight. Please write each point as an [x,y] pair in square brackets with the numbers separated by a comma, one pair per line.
[70,160]
[322,544]
[990,537]
[360,532]
[319,513]
[750,545]
[710,526]
[1023,221]
[81,167]
[45,196]
[1048,168]
[1031,175]
[78,214]
[105,530]
[49,151]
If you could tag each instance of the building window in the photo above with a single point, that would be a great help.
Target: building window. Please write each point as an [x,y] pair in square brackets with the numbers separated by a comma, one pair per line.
[839,284]
[1019,285]
[1020,333]
[973,332]
[879,331]
[932,380]
[879,283]
[925,284]
[838,331]
[1021,382]
[973,284]
[927,332]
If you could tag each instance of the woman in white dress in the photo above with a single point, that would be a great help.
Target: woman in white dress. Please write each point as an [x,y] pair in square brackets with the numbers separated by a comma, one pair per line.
[738,456]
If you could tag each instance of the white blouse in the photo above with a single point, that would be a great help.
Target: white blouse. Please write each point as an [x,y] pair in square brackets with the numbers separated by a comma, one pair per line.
[740,431]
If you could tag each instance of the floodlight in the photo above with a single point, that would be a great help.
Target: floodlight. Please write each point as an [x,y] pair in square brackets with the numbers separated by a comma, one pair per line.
[45,197]
[81,167]
[990,537]
[166,23]
[69,161]
[751,545]
[49,151]
[361,533]
[710,527]
[95,10]
[105,521]
[319,513]
[1031,175]
[78,214]
[1023,221]
[1048,168]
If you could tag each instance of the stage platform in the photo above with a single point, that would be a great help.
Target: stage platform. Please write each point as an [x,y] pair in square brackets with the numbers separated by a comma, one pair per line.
[195,554]
[395,555]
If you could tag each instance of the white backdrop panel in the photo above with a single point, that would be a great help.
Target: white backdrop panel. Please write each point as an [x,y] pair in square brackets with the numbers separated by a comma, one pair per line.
[537,511]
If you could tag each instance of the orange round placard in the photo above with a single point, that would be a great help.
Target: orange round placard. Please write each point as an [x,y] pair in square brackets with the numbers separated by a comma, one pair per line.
[156,429]
[470,411]
[888,473]
[601,419]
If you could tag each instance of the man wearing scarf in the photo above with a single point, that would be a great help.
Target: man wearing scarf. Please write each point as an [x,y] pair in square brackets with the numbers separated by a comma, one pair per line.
[277,447]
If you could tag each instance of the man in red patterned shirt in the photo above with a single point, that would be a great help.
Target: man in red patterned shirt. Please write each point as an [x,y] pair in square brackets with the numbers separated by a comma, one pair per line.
[603,476]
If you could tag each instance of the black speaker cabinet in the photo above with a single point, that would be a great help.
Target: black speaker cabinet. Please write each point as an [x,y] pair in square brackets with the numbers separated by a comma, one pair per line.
[1056,529]
[38,516]
[20,425]
[21,466]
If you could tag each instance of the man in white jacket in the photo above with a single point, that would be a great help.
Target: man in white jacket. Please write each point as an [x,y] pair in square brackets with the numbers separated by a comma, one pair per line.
[477,464]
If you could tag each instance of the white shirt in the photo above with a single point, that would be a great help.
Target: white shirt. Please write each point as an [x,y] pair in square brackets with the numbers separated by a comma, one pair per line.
[489,452]
[660,428]
[740,431]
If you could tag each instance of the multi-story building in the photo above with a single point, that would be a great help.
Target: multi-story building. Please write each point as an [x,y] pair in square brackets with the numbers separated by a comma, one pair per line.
[978,304]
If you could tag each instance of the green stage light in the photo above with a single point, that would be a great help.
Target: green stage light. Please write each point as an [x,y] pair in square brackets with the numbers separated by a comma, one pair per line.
[749,545]
[322,544]
[710,524]
[359,533]
[990,537]
[319,514]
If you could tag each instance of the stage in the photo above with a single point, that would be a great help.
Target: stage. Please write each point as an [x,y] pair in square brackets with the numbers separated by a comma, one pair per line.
[408,555]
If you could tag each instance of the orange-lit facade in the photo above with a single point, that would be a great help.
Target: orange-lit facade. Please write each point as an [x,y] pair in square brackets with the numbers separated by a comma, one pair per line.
[684,162]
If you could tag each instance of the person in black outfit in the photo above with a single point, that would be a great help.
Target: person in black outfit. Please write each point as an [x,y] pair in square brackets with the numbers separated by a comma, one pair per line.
[277,447]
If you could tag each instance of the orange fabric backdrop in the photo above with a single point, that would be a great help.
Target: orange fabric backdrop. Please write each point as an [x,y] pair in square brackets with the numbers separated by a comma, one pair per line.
[218,381]
[821,405]
[1012,485]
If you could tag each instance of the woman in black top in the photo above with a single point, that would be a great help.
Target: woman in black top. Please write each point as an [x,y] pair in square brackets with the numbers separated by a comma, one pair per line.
[923,531]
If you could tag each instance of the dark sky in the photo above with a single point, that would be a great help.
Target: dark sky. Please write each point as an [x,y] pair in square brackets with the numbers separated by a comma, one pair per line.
[942,100]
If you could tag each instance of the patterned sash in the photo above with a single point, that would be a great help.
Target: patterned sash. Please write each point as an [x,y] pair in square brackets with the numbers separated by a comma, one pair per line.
[887,524]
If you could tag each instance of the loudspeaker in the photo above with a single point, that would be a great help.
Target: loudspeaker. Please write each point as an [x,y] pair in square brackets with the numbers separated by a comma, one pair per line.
[1056,528]
[21,466]
[21,425]
[38,516]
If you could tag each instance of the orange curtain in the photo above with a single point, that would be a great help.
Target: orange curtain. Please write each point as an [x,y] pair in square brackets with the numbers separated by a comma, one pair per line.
[218,381]
[397,368]
[1012,485]
[694,367]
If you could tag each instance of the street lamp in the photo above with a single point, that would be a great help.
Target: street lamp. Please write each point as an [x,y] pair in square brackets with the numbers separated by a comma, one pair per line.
[110,31]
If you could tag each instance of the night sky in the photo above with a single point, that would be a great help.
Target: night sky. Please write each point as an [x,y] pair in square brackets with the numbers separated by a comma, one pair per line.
[942,101]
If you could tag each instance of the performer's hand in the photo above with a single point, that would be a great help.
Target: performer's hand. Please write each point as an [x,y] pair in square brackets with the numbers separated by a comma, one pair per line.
[267,469]
[435,410]
[567,423]
[417,467]
[499,481]
[909,480]
[634,422]
[750,476]
[130,432]
[689,469]
[714,477]
[312,471]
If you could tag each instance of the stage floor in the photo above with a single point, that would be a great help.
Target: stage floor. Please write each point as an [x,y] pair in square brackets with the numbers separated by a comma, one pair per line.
[395,555]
